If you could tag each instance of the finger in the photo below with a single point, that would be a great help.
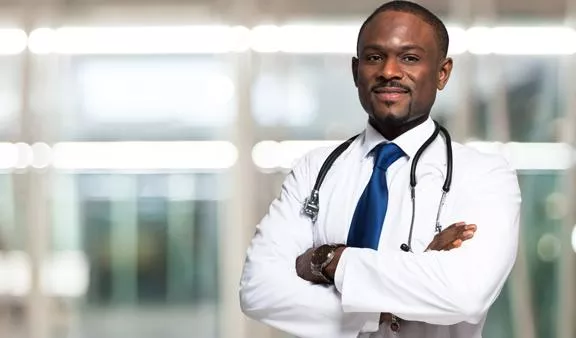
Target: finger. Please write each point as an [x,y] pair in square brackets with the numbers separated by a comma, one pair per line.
[456,241]
[443,240]
[446,238]
[452,231]
[467,229]
[454,226]
[452,245]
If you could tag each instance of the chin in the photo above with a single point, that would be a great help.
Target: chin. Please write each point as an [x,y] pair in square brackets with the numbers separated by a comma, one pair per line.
[391,118]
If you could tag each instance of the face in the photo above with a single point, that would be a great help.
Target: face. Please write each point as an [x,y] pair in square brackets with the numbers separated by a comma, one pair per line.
[399,69]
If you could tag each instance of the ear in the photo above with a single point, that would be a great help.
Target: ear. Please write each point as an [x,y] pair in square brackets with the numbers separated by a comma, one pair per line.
[444,73]
[355,70]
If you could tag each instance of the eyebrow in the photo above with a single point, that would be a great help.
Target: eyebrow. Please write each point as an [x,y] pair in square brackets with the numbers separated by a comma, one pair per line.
[404,48]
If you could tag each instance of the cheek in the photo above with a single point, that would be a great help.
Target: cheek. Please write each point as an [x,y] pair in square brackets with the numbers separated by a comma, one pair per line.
[363,79]
[364,84]
[427,83]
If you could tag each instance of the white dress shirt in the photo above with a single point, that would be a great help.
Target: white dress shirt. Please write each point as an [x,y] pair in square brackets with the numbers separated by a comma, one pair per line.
[436,293]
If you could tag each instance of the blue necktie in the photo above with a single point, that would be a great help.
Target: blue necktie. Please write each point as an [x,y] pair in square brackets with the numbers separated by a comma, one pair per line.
[371,209]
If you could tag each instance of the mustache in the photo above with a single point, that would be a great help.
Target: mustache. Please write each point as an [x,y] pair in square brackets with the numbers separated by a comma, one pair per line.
[390,84]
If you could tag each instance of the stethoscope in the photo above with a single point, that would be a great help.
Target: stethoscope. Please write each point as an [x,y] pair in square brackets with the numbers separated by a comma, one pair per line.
[311,206]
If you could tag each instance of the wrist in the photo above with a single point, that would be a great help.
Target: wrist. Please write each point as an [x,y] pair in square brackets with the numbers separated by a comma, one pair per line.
[330,269]
[322,257]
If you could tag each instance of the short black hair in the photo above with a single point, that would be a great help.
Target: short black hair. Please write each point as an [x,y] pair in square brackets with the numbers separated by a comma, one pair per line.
[416,9]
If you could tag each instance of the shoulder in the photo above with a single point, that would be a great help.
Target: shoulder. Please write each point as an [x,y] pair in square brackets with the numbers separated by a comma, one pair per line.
[473,160]
[485,168]
[301,177]
[313,159]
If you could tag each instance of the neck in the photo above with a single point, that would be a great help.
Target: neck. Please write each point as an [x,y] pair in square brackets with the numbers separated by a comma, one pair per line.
[392,130]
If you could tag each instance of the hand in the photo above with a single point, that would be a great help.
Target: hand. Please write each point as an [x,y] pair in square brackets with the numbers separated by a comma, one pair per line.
[303,268]
[452,237]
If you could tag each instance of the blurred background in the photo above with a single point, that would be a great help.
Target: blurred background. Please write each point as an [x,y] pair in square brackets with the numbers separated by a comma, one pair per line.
[141,141]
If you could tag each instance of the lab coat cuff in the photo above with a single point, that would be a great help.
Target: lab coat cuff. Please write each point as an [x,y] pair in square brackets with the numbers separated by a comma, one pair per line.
[339,274]
[372,323]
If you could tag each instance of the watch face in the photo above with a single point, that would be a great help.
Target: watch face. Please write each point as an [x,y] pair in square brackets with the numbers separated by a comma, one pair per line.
[320,254]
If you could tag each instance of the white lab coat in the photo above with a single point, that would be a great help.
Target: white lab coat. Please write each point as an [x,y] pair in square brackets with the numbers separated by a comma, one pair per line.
[437,294]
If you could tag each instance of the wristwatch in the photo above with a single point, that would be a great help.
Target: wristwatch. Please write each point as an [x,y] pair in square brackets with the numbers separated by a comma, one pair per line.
[321,257]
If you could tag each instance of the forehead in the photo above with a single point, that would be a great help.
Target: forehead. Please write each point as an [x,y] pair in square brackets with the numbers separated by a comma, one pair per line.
[398,28]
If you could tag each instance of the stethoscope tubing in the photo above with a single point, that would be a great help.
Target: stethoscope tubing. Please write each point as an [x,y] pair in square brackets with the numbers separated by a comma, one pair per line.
[311,206]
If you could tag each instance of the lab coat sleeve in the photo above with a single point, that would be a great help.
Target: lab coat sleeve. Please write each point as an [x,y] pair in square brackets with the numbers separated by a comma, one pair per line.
[444,287]
[270,289]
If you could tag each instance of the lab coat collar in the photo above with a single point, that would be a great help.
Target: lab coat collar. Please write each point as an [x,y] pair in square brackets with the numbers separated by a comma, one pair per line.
[409,142]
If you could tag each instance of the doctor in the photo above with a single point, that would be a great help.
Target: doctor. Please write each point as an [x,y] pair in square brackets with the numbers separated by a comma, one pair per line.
[345,275]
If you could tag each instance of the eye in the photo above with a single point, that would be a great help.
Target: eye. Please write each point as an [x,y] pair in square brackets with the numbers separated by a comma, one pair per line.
[410,58]
[373,58]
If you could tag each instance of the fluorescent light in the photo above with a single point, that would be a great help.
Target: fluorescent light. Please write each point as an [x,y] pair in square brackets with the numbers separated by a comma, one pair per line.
[318,39]
[66,274]
[503,40]
[539,156]
[41,155]
[479,40]
[266,155]
[311,38]
[24,155]
[15,272]
[458,40]
[282,155]
[265,39]
[62,274]
[533,40]
[42,41]
[323,39]
[240,40]
[8,155]
[144,155]
[12,41]
[139,40]
[521,156]
[507,40]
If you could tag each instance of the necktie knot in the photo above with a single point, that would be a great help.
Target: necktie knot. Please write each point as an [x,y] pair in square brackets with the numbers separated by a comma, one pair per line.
[386,154]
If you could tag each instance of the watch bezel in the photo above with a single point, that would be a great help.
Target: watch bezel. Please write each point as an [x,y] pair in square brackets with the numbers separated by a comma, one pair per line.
[321,257]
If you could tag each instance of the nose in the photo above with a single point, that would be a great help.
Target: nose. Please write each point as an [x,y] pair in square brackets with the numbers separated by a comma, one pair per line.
[391,69]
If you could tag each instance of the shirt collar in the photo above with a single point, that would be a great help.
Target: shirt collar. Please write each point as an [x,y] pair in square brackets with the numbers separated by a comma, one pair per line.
[409,142]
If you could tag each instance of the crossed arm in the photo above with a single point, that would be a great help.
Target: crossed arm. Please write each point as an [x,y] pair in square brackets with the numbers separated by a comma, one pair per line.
[450,238]
[438,287]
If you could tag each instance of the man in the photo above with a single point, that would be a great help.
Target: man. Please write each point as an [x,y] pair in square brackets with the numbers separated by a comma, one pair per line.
[345,274]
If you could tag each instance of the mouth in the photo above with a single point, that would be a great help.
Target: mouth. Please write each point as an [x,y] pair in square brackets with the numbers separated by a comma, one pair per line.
[390,94]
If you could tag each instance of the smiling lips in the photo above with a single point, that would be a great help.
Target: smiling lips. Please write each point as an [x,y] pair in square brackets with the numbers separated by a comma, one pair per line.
[390,94]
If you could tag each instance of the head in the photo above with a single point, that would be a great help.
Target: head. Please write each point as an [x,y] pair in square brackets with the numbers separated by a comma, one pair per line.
[400,65]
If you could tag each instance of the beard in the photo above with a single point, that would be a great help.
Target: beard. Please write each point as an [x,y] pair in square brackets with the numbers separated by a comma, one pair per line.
[390,120]
[392,125]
